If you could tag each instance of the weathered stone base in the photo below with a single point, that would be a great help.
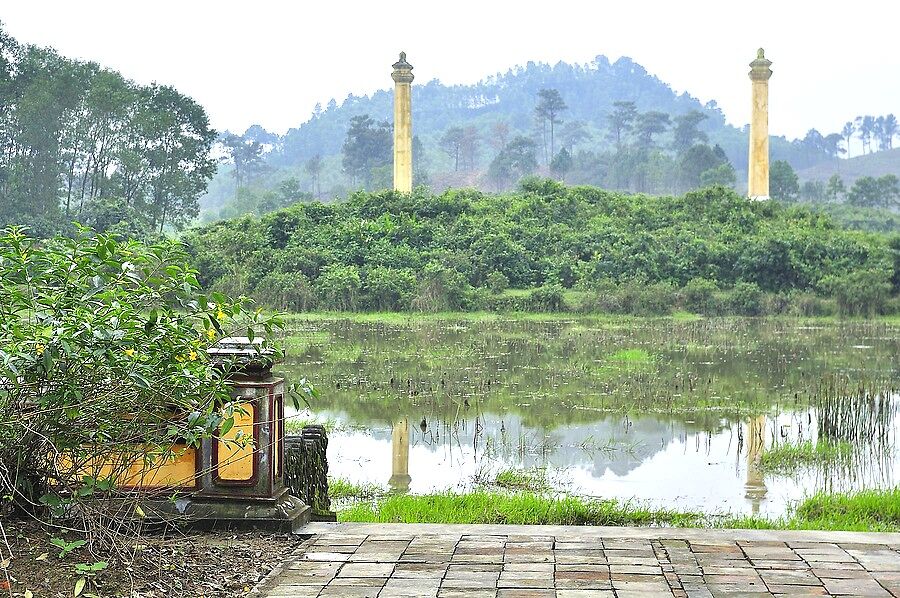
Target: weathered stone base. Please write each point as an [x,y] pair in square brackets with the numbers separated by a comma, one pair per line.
[287,514]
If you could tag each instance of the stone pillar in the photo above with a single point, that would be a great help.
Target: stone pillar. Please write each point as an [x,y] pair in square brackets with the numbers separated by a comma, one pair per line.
[400,478]
[758,178]
[403,169]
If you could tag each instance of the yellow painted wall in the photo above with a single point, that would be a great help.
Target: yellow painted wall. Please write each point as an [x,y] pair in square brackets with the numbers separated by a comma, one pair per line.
[236,460]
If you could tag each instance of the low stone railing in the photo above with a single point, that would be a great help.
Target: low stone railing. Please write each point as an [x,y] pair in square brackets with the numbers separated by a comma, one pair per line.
[306,469]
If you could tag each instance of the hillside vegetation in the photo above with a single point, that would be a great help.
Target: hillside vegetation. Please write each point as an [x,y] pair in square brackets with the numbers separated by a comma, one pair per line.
[550,247]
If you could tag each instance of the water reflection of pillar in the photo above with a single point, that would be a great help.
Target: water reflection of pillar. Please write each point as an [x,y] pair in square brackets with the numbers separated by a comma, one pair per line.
[756,443]
[400,478]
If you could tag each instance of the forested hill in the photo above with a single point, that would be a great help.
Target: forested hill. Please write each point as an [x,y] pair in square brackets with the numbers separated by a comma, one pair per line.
[462,129]
[588,90]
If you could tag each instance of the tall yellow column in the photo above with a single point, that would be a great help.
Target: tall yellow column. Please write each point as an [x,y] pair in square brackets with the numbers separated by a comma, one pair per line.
[400,478]
[403,79]
[758,183]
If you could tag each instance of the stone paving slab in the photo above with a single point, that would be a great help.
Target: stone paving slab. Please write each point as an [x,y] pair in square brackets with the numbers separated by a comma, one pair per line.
[475,561]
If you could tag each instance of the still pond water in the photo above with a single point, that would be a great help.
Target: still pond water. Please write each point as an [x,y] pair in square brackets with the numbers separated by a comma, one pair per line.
[674,413]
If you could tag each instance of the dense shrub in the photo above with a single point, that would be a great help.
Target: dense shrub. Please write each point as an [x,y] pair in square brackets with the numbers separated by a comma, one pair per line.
[699,296]
[547,298]
[462,240]
[744,299]
[102,349]
[497,282]
[860,293]
[642,299]
[285,292]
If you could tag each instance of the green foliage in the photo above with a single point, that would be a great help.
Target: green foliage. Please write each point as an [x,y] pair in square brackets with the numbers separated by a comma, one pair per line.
[452,251]
[339,286]
[81,142]
[698,296]
[516,160]
[497,282]
[783,182]
[367,147]
[723,175]
[869,192]
[103,360]
[547,298]
[894,246]
[860,293]
[745,299]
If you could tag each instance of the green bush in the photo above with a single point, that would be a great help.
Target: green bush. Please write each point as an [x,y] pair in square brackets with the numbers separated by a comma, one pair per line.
[497,282]
[285,292]
[547,298]
[642,299]
[441,289]
[338,287]
[860,293]
[389,289]
[102,348]
[699,296]
[745,299]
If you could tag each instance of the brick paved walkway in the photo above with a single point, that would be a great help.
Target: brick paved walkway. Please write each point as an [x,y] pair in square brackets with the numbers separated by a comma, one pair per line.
[394,561]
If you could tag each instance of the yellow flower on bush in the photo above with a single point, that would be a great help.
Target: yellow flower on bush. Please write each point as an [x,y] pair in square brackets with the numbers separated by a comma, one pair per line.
[211,333]
[129,352]
[221,316]
[192,355]
[39,349]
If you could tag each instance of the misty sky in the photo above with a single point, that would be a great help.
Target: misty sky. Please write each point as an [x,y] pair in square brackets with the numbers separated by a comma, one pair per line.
[270,62]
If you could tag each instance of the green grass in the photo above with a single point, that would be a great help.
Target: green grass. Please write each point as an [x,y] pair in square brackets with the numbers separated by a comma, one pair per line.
[632,356]
[869,510]
[686,316]
[787,458]
[295,425]
[345,490]
[534,480]
[864,511]
[523,509]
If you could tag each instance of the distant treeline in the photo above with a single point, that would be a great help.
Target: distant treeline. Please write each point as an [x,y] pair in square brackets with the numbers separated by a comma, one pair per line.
[80,142]
[549,247]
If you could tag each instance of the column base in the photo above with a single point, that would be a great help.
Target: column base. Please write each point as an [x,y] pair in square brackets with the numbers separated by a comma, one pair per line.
[286,514]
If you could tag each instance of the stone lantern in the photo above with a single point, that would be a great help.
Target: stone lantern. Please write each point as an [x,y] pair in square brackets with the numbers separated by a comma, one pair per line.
[241,472]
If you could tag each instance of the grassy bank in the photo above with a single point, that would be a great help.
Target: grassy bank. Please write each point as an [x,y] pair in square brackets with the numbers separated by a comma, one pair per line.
[864,511]
[524,508]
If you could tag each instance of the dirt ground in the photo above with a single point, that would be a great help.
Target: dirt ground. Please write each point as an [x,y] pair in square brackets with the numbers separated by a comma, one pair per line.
[186,563]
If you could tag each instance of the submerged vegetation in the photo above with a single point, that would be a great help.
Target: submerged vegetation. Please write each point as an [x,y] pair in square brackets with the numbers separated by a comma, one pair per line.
[548,247]
[534,480]
[786,458]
